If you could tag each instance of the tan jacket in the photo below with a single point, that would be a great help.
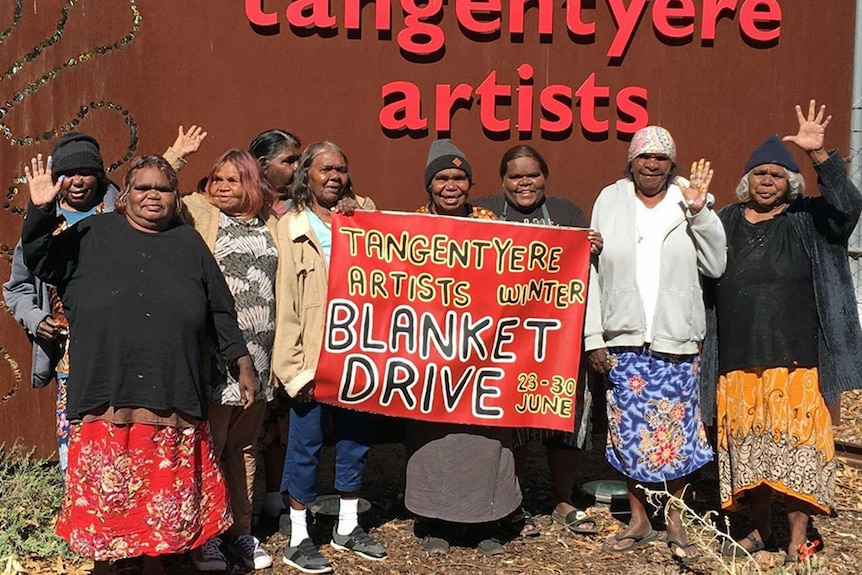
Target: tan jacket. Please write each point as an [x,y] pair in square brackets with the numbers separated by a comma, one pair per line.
[301,289]
[199,213]
[203,216]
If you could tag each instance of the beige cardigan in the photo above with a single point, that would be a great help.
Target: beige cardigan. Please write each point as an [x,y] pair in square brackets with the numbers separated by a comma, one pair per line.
[301,289]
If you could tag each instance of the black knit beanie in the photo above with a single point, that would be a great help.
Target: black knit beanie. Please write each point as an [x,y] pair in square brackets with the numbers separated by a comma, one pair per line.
[443,155]
[76,151]
[772,151]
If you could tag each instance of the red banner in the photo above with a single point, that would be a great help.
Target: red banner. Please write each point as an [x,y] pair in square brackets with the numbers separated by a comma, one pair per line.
[454,319]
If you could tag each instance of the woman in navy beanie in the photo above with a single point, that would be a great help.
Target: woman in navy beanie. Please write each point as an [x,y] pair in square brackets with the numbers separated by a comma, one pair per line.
[797,348]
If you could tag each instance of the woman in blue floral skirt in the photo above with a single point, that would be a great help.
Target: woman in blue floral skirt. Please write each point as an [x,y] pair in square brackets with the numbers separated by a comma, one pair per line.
[645,321]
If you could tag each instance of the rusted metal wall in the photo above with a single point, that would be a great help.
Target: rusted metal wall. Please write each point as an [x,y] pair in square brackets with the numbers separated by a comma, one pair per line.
[130,71]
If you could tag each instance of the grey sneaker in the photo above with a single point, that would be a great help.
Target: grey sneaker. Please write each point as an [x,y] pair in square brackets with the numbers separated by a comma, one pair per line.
[306,558]
[208,557]
[358,542]
[248,549]
[435,545]
[490,547]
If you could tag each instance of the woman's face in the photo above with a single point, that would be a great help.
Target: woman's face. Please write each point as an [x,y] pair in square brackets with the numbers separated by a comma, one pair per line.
[225,190]
[524,183]
[768,186]
[650,173]
[83,191]
[449,190]
[279,169]
[151,203]
[327,178]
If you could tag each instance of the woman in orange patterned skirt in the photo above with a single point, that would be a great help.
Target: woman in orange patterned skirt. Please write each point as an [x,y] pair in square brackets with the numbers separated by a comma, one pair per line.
[788,338]
[145,300]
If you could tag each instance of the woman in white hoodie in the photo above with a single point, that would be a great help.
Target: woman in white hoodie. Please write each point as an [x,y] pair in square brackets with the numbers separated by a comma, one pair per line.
[645,321]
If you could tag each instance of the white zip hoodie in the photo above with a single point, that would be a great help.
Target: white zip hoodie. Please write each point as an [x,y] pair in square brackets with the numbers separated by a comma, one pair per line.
[694,245]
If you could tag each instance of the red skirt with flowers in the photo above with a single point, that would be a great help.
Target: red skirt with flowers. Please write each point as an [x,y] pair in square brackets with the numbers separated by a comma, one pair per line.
[141,489]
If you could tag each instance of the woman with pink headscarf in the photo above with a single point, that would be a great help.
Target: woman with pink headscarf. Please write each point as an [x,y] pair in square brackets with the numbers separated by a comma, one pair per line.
[645,322]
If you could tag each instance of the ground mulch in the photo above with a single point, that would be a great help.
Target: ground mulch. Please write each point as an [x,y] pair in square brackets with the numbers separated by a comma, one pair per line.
[557,551]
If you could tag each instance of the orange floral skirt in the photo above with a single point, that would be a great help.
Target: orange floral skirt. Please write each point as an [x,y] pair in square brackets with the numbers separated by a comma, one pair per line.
[141,489]
[774,429]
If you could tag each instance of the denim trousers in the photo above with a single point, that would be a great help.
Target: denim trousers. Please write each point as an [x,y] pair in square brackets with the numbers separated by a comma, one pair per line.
[353,435]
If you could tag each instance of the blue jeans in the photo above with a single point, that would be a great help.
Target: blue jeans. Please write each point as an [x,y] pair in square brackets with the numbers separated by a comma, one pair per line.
[353,434]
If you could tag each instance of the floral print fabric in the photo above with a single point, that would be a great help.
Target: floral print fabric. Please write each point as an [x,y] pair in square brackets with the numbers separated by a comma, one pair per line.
[774,429]
[62,422]
[141,489]
[655,429]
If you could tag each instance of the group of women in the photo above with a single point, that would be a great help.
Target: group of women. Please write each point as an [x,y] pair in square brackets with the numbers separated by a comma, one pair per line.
[194,325]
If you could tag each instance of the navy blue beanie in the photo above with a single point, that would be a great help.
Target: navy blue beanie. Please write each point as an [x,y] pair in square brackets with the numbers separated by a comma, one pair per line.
[772,151]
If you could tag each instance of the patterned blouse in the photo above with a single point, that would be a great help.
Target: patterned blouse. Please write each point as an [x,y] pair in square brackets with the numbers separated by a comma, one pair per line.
[247,255]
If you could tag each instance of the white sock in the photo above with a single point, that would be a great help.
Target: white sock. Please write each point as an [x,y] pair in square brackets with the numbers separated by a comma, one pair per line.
[298,526]
[348,516]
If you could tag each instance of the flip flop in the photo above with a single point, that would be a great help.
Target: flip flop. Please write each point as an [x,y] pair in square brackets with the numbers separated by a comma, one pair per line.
[685,554]
[577,521]
[637,542]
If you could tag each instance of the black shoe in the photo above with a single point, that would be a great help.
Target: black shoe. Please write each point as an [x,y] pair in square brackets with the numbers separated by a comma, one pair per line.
[306,558]
[359,542]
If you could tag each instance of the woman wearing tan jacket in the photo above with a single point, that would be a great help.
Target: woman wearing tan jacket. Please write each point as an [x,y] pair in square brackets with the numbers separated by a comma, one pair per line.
[321,184]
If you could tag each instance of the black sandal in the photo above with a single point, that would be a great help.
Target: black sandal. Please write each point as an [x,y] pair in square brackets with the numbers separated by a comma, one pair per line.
[528,526]
[577,521]
[732,549]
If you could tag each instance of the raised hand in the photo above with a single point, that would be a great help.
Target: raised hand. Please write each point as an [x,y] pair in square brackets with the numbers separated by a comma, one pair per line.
[43,191]
[187,143]
[812,130]
[695,193]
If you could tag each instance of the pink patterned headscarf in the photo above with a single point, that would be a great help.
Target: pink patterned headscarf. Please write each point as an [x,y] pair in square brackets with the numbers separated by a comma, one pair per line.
[652,140]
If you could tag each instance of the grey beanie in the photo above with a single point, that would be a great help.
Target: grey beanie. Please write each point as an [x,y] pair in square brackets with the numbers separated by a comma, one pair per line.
[443,155]
[76,151]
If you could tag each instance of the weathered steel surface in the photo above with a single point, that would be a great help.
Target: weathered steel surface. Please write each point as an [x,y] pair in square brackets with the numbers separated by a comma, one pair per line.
[130,72]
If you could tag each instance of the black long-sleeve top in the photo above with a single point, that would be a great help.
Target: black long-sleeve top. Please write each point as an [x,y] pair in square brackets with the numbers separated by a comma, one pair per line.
[143,310]
[823,224]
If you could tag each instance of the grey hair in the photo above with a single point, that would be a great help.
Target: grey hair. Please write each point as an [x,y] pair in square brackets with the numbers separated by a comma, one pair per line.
[795,185]
[300,194]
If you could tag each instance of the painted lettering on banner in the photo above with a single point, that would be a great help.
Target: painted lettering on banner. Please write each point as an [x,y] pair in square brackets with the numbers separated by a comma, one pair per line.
[456,320]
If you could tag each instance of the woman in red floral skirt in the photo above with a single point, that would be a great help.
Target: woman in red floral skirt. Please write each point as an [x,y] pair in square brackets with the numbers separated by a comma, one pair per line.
[147,305]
